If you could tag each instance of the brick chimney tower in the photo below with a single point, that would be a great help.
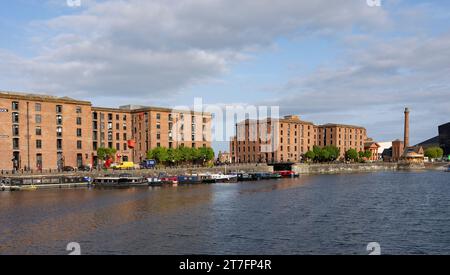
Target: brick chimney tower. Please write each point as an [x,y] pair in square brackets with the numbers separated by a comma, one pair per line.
[406,140]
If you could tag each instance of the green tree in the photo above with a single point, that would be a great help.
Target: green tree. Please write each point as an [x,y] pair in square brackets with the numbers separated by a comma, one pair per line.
[105,153]
[333,151]
[206,154]
[159,154]
[310,155]
[324,155]
[351,154]
[361,154]
[434,152]
[368,154]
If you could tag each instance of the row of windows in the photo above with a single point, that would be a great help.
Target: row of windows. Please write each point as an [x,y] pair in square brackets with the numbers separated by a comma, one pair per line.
[59,144]
[38,119]
[110,116]
[38,107]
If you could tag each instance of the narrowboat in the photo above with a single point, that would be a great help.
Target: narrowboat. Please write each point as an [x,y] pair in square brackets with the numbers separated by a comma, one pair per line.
[169,180]
[221,178]
[189,179]
[118,182]
[154,181]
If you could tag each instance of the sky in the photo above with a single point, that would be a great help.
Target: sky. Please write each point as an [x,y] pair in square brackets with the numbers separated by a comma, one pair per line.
[341,61]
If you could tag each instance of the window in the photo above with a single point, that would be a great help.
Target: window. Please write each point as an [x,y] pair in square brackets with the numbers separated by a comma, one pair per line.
[15,117]
[79,133]
[78,110]
[15,143]
[95,146]
[78,120]
[117,117]
[117,127]
[117,136]
[158,126]
[170,117]
[59,144]
[158,116]
[38,119]
[39,161]
[79,144]
[110,117]
[15,130]
[193,145]
[38,131]
[124,117]
[124,136]
[124,126]
[58,109]
[38,144]
[59,120]
[94,115]
[158,136]
[158,144]
[15,105]
[125,147]
[118,146]
[59,131]
[37,107]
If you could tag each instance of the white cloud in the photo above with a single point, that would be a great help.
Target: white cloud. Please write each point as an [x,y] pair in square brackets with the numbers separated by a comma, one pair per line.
[150,48]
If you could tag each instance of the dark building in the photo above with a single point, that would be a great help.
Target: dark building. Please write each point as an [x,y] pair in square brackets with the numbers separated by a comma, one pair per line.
[444,137]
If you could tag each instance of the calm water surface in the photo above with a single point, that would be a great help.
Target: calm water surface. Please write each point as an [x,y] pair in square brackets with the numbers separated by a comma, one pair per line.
[407,213]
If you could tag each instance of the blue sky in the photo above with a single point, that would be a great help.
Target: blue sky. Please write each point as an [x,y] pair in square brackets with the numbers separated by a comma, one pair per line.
[327,61]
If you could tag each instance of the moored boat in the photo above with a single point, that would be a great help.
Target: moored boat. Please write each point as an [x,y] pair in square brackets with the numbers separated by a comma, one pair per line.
[221,178]
[288,174]
[189,179]
[118,182]
[154,181]
[169,180]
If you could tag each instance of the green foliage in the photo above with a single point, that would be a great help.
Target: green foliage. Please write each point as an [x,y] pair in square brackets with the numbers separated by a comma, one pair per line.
[434,152]
[334,152]
[179,155]
[105,153]
[310,155]
[351,154]
[368,154]
[325,154]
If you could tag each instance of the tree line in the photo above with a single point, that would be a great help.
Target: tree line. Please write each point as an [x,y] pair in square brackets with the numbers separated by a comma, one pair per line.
[332,153]
[181,155]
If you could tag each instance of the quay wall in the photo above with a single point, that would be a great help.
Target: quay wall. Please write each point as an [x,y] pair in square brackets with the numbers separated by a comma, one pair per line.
[150,172]
[303,168]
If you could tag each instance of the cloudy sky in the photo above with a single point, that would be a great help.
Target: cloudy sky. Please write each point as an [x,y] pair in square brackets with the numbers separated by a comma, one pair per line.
[338,61]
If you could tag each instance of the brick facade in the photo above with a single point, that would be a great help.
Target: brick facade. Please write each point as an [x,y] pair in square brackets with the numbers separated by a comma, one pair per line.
[47,132]
[292,138]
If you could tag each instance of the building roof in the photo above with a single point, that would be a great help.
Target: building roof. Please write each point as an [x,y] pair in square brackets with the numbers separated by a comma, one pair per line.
[430,142]
[41,97]
[341,125]
[69,100]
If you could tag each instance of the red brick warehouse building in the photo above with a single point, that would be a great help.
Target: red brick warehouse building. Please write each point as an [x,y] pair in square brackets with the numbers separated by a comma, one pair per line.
[49,132]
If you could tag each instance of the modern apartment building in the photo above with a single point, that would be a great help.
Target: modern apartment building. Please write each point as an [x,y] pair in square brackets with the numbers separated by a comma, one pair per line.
[289,138]
[49,132]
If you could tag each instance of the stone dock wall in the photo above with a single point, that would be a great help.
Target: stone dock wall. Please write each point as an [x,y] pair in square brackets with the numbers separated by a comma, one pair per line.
[343,168]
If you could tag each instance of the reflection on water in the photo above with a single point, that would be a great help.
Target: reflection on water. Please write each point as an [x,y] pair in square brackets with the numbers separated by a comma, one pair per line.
[327,214]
